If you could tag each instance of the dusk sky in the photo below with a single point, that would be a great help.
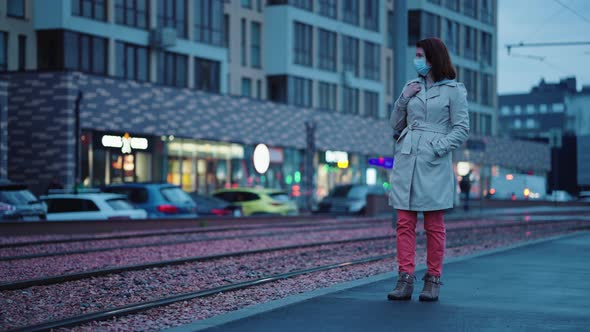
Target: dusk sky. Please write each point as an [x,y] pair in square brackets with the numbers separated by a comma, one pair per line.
[535,21]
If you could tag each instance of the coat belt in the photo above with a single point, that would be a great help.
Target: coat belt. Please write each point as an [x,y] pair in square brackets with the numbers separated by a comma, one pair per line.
[419,126]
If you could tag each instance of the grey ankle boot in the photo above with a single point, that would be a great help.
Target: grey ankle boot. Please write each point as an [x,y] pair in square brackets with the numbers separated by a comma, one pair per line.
[431,288]
[404,288]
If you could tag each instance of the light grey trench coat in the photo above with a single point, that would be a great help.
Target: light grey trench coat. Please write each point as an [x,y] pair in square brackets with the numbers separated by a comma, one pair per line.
[433,123]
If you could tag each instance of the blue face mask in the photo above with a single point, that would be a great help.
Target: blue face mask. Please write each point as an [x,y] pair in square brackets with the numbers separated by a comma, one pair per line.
[421,67]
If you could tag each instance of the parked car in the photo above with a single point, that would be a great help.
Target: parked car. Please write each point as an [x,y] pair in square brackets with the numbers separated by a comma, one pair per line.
[348,198]
[17,203]
[258,201]
[213,206]
[160,200]
[90,206]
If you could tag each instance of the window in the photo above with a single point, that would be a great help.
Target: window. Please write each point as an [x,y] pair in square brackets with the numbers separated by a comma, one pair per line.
[303,4]
[259,89]
[469,43]
[485,124]
[530,123]
[94,9]
[208,22]
[470,81]
[133,13]
[3,51]
[372,61]
[414,24]
[388,82]
[70,205]
[487,11]
[327,96]
[172,14]
[172,69]
[246,87]
[430,25]
[85,53]
[303,44]
[301,92]
[558,107]
[543,108]
[486,47]
[246,3]
[487,89]
[207,75]
[255,45]
[22,52]
[327,50]
[15,8]
[451,36]
[371,100]
[243,42]
[517,124]
[329,8]
[452,5]
[350,10]
[371,15]
[350,100]
[390,29]
[422,25]
[132,62]
[470,8]
[226,30]
[505,110]
[517,110]
[436,2]
[350,55]
[530,109]
[277,90]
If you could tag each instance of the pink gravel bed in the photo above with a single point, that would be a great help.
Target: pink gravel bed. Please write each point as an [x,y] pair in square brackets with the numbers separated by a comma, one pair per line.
[188,311]
[49,266]
[44,303]
[150,240]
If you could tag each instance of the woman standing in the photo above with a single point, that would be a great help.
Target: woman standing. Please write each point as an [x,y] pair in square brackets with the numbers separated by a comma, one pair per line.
[433,117]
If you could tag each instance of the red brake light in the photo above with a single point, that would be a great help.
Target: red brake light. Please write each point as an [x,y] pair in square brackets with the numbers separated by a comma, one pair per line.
[220,212]
[167,208]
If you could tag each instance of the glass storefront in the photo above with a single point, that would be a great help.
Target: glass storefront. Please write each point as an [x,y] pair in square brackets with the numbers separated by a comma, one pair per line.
[202,166]
[119,157]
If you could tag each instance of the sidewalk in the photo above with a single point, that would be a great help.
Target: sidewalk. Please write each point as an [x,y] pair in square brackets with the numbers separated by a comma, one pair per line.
[540,286]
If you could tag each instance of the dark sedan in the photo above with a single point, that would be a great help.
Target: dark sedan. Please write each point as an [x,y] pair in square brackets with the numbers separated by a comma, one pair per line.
[17,203]
[212,206]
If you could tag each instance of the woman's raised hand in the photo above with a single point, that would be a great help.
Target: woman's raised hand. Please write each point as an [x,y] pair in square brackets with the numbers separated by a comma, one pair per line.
[411,89]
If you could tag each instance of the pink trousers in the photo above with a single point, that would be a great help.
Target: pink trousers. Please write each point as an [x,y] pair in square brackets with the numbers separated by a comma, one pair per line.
[434,226]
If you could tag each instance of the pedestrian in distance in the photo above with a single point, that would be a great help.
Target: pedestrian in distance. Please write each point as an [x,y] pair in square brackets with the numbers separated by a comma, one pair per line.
[432,115]
[465,187]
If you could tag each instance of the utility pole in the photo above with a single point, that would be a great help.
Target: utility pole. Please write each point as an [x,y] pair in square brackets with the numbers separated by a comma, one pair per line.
[77,146]
[310,128]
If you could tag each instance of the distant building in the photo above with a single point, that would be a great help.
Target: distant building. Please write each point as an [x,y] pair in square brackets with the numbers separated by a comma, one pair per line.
[555,113]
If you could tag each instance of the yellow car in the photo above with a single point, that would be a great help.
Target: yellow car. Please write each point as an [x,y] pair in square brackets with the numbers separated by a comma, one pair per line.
[259,201]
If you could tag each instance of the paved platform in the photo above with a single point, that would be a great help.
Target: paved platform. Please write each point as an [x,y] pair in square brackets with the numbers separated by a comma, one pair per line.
[540,286]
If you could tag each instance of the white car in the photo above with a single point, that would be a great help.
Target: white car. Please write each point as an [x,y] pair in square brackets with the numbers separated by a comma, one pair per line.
[94,206]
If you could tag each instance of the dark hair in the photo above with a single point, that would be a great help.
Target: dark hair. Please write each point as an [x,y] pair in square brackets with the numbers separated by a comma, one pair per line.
[437,54]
